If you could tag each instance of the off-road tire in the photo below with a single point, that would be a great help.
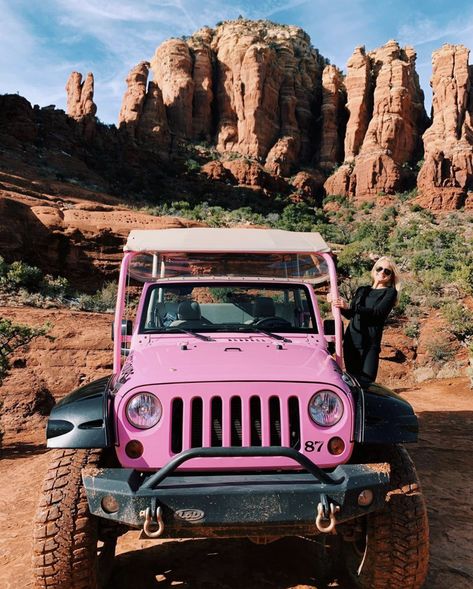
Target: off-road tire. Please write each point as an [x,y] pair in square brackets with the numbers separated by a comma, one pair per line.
[396,539]
[65,533]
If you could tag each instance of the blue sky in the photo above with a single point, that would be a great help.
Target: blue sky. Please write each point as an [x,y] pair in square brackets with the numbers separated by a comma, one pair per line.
[42,41]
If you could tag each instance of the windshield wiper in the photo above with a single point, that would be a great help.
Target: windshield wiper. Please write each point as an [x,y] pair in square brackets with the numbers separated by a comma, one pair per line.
[195,334]
[257,329]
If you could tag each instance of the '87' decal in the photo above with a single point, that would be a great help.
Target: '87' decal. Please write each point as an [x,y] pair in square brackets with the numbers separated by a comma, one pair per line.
[313,446]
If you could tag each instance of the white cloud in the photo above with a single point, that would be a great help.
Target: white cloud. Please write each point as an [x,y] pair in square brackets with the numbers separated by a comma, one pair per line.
[424,30]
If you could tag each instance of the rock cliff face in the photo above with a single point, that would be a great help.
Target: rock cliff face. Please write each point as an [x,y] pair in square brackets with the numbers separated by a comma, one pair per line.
[259,93]
[377,159]
[446,176]
[250,87]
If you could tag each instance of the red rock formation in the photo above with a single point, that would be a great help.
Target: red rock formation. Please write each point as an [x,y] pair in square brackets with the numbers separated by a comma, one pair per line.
[202,125]
[282,156]
[80,101]
[215,170]
[359,101]
[153,125]
[393,135]
[134,98]
[262,79]
[308,185]
[269,82]
[248,173]
[447,173]
[143,114]
[16,120]
[333,99]
[172,71]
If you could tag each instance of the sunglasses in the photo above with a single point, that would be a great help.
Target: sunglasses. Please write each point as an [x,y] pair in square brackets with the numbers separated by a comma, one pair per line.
[386,271]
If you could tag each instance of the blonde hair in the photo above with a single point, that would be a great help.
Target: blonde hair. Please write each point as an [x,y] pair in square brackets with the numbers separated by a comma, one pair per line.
[388,263]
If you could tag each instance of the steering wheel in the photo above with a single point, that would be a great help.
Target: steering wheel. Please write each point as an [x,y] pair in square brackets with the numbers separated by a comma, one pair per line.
[272,322]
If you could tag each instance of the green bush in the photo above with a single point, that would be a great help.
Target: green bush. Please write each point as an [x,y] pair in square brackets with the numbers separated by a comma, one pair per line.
[459,319]
[353,259]
[103,301]
[20,274]
[373,235]
[412,329]
[192,165]
[404,301]
[14,336]
[463,276]
[439,349]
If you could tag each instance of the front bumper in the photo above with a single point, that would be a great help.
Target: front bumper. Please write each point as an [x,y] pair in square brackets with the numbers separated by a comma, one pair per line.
[237,504]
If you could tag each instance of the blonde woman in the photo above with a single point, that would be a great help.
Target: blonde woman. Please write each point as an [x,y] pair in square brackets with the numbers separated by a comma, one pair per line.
[367,312]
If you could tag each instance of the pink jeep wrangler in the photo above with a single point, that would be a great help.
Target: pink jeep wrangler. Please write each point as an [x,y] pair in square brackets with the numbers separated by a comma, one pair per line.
[228,414]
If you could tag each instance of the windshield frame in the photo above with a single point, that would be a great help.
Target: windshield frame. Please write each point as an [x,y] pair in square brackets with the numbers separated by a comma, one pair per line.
[218,328]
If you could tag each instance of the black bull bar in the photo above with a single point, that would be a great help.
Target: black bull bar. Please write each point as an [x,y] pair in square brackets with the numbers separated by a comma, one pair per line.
[240,503]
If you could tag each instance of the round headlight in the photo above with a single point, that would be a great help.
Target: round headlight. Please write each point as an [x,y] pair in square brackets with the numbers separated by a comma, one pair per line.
[144,410]
[326,408]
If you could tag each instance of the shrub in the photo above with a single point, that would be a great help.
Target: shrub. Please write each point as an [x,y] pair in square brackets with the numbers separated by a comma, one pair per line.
[14,336]
[460,320]
[20,274]
[192,165]
[463,276]
[299,217]
[103,301]
[404,301]
[353,259]
[439,349]
[374,235]
[412,329]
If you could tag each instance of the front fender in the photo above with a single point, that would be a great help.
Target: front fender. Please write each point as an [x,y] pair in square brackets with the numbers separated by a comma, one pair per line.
[388,418]
[81,419]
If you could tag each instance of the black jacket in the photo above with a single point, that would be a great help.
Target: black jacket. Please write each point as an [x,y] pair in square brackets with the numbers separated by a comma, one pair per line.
[367,313]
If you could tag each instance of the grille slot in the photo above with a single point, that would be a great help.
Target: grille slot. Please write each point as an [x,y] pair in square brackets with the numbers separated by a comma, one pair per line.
[246,419]
[255,421]
[294,423]
[196,422]
[275,421]
[176,423]
[235,412]
[216,422]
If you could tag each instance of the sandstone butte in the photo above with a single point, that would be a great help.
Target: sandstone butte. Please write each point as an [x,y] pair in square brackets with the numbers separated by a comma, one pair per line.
[260,90]
[447,173]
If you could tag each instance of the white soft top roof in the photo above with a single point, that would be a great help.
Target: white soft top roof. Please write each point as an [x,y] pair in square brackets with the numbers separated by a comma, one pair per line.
[210,240]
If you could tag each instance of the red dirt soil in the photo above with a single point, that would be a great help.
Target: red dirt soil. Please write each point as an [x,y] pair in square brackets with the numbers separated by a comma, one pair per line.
[443,456]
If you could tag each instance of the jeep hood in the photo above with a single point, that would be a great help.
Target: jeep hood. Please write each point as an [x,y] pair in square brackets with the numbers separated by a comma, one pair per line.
[232,359]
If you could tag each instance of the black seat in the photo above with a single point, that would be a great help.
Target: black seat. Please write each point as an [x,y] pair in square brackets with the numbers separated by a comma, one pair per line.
[189,315]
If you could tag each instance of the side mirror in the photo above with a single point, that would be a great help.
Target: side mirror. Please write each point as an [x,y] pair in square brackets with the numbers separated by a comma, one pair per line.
[127,327]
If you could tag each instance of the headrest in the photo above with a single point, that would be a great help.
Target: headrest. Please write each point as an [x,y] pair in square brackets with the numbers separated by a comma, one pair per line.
[188,311]
[264,307]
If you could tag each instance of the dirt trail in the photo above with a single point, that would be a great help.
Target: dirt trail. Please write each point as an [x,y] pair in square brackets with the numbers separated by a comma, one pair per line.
[444,458]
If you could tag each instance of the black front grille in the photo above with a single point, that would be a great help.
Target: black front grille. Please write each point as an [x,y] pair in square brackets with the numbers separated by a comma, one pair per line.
[250,429]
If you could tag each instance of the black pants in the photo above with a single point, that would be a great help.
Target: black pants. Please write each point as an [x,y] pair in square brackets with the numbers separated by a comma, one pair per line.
[361,362]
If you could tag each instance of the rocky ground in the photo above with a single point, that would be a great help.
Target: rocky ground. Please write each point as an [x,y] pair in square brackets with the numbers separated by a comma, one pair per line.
[444,458]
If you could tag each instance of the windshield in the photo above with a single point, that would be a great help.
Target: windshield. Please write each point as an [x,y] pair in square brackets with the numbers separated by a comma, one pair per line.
[227,307]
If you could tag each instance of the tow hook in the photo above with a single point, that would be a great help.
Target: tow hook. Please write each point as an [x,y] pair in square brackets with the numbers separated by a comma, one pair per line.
[149,526]
[326,514]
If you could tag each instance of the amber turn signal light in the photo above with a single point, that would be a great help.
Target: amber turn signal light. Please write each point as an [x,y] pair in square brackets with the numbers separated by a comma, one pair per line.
[336,446]
[134,449]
